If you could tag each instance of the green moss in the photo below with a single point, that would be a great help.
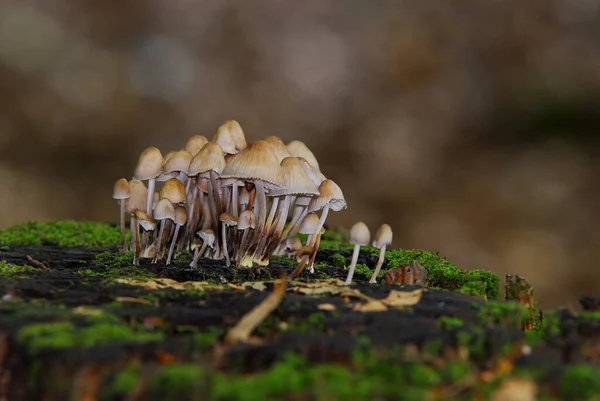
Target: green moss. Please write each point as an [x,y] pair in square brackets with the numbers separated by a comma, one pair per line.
[8,270]
[115,264]
[37,337]
[178,382]
[510,313]
[363,269]
[122,384]
[579,382]
[338,260]
[443,274]
[449,321]
[64,233]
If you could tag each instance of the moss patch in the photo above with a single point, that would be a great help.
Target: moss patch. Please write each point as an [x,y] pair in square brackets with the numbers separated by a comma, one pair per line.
[8,270]
[63,233]
[37,337]
[116,264]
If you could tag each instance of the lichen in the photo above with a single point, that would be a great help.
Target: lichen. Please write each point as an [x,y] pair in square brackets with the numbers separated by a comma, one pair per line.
[63,233]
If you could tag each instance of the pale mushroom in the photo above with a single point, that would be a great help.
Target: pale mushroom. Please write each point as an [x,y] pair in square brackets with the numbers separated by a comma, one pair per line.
[246,222]
[121,193]
[302,256]
[226,220]
[359,236]
[383,238]
[163,212]
[195,143]
[181,217]
[147,223]
[208,237]
[299,149]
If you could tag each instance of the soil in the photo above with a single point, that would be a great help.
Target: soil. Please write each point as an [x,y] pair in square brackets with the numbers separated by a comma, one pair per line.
[172,327]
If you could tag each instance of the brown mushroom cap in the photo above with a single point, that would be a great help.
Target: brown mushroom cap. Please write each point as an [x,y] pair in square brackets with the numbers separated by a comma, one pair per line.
[147,222]
[195,143]
[256,162]
[329,193]
[299,149]
[383,236]
[179,161]
[149,164]
[207,235]
[121,189]
[164,210]
[246,220]
[281,151]
[224,137]
[181,216]
[315,175]
[237,133]
[360,234]
[296,180]
[210,157]
[138,198]
[309,224]
[228,219]
[173,190]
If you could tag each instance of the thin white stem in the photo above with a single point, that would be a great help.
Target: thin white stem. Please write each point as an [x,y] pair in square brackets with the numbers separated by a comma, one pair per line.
[158,240]
[122,223]
[352,264]
[324,214]
[224,236]
[173,241]
[378,265]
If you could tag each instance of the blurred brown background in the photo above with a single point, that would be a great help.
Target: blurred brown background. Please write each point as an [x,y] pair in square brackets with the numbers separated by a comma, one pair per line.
[469,126]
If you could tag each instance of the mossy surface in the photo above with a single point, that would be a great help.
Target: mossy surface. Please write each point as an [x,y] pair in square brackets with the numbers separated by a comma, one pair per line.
[164,338]
[62,233]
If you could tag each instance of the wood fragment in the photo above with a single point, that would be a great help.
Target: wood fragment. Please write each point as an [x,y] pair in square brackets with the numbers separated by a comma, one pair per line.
[36,263]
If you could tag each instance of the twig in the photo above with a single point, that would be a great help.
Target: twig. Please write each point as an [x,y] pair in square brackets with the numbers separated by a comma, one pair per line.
[37,263]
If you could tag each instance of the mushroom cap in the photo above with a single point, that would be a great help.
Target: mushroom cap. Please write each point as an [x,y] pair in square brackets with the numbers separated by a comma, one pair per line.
[360,234]
[304,251]
[293,244]
[207,235]
[181,216]
[196,243]
[202,184]
[295,179]
[256,162]
[173,190]
[246,220]
[210,157]
[299,149]
[315,175]
[383,236]
[281,151]
[138,198]
[179,161]
[164,210]
[228,219]
[195,143]
[224,137]
[237,133]
[149,164]
[155,199]
[309,224]
[329,193]
[121,189]
[147,222]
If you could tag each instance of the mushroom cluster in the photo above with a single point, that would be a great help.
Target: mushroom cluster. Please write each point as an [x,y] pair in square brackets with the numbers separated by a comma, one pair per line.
[227,199]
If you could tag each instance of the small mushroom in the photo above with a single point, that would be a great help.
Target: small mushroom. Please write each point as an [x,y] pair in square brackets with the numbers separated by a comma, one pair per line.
[359,236]
[163,212]
[121,193]
[246,222]
[195,143]
[382,239]
[208,237]
[181,217]
[227,220]
[147,223]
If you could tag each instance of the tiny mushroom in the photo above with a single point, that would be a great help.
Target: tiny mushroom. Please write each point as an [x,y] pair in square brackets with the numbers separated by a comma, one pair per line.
[208,237]
[181,217]
[302,256]
[163,212]
[382,239]
[226,220]
[121,192]
[359,236]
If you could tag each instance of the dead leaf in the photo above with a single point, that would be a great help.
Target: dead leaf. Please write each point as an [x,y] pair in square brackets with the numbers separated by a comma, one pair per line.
[255,285]
[235,286]
[516,389]
[326,307]
[242,330]
[133,300]
[83,310]
[397,298]
[373,305]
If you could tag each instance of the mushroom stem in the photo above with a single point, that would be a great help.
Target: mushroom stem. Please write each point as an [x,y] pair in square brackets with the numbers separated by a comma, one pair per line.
[378,265]
[122,223]
[217,197]
[352,264]
[224,237]
[313,256]
[198,254]
[234,200]
[241,249]
[250,204]
[206,212]
[279,224]
[173,241]
[136,256]
[158,241]
[300,267]
[271,214]
[149,201]
[212,202]
[324,214]
[292,228]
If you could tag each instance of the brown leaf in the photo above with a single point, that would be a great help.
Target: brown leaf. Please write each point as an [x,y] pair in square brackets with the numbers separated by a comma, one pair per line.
[516,389]
[326,306]
[373,305]
[242,330]
[398,299]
